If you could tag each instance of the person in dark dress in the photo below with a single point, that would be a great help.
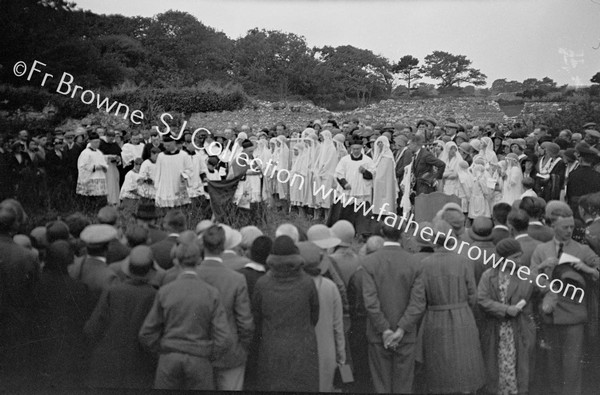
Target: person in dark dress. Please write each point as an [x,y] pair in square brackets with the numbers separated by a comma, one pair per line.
[118,360]
[286,309]
[584,179]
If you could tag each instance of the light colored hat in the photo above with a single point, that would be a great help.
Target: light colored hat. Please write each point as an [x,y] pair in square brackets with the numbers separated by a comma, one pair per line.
[249,234]
[321,235]
[232,237]
[344,230]
[98,234]
[203,225]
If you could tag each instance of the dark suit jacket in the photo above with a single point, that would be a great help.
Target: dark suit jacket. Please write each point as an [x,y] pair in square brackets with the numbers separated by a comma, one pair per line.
[234,295]
[582,181]
[393,293]
[423,171]
[402,162]
[528,245]
[162,251]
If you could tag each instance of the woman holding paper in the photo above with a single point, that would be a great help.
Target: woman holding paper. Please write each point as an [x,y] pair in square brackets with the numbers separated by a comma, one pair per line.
[508,332]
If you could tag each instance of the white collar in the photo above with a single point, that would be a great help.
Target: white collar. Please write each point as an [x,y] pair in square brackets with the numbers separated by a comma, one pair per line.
[255,266]
[213,258]
[501,227]
[173,235]
[517,237]
[98,258]
[536,223]
[391,243]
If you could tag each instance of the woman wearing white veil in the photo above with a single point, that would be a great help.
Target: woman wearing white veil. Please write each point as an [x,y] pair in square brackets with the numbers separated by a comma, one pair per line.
[339,140]
[299,171]
[512,188]
[487,151]
[323,174]
[385,185]
[282,173]
[451,158]
[263,155]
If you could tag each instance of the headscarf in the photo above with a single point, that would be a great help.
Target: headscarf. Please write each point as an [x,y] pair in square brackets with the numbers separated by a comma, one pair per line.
[489,154]
[327,151]
[263,153]
[339,140]
[384,152]
[464,177]
[300,163]
[451,163]
[284,154]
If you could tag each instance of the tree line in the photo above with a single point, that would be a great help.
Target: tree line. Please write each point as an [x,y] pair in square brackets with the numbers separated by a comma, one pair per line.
[174,49]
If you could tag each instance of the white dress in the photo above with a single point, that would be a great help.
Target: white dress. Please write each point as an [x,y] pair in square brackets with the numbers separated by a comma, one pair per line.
[347,169]
[173,172]
[91,180]
[147,188]
[195,186]
[512,188]
[129,190]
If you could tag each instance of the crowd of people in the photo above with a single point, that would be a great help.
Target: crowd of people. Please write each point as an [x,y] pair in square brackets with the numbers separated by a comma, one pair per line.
[161,303]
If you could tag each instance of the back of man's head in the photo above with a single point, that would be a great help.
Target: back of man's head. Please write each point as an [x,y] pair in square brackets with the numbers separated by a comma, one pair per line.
[136,235]
[187,254]
[213,240]
[534,207]
[175,221]
[108,215]
[390,233]
[500,213]
[518,220]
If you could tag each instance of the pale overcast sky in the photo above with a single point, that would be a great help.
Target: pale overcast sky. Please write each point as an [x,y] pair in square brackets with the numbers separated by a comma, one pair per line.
[513,39]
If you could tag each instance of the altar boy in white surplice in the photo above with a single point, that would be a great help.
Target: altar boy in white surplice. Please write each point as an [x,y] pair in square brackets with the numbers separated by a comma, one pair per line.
[173,173]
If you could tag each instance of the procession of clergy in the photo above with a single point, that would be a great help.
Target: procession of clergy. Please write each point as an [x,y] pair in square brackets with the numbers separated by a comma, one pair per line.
[351,304]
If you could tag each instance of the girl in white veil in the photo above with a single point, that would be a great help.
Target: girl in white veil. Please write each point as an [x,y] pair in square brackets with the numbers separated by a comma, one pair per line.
[451,158]
[323,173]
[385,185]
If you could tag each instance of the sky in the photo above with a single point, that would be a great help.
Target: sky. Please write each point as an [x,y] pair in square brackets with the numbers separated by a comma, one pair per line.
[512,39]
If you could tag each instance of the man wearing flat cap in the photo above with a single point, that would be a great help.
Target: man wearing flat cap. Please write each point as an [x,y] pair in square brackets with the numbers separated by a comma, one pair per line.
[584,179]
[565,314]
[93,270]
[592,137]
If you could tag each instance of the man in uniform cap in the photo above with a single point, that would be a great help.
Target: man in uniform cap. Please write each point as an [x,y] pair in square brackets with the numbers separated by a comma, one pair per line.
[584,179]
[93,270]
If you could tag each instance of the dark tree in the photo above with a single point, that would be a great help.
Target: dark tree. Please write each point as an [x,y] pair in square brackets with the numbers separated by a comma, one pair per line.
[408,70]
[451,70]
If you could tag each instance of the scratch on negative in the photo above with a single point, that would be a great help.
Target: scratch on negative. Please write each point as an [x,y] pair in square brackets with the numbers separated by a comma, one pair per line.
[598,47]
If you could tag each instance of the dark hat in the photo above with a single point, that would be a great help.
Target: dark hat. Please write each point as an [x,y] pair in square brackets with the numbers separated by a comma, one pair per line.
[260,249]
[551,147]
[146,211]
[167,138]
[356,140]
[431,120]
[589,125]
[452,125]
[570,153]
[481,229]
[93,136]
[57,230]
[247,143]
[562,143]
[462,135]
[584,149]
[507,247]
[284,246]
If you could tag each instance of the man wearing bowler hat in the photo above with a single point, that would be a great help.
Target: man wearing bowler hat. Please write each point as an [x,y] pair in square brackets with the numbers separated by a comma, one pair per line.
[148,217]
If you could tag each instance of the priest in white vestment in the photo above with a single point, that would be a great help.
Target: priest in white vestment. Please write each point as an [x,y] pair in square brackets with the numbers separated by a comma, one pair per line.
[354,186]
[92,168]
[173,173]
